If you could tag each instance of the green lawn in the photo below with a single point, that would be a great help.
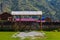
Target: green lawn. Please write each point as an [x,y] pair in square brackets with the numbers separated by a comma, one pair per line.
[50,36]
[53,35]
[7,36]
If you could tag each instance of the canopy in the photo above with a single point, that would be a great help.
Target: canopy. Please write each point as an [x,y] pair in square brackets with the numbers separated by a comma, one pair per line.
[26,12]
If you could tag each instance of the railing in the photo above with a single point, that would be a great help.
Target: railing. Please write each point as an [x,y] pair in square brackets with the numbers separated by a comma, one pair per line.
[17,26]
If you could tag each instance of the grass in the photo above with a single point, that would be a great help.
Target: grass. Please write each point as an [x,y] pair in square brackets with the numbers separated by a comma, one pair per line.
[53,35]
[50,36]
[7,36]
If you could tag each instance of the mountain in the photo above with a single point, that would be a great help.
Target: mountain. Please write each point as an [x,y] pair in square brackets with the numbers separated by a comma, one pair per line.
[50,8]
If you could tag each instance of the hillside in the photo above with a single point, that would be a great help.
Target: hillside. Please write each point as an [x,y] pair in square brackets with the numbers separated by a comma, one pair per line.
[50,8]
